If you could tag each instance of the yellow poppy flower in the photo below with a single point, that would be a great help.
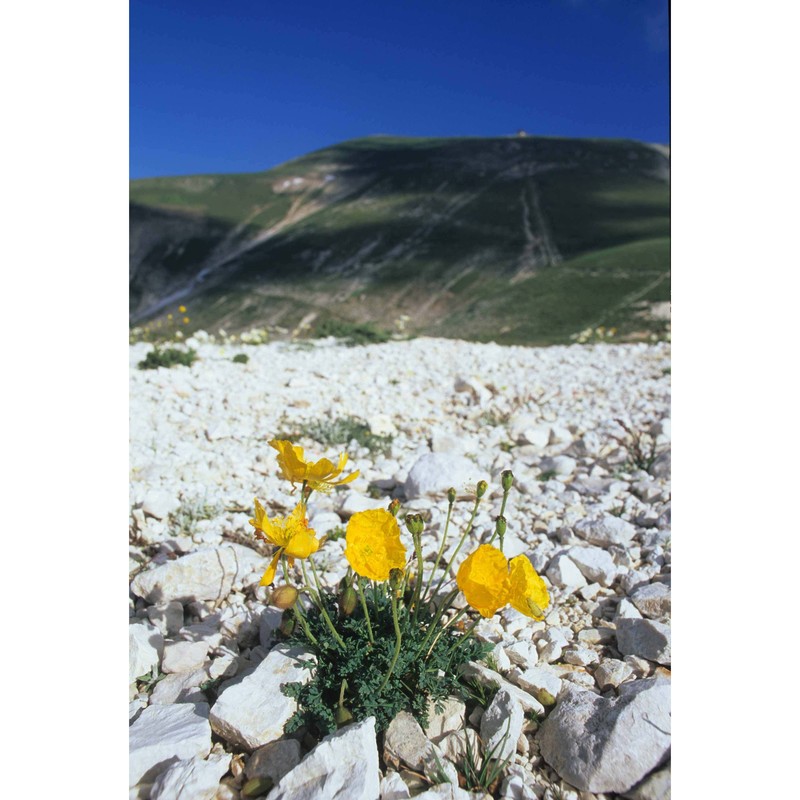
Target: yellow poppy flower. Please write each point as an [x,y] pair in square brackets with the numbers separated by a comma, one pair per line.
[483,577]
[528,591]
[182,309]
[318,475]
[291,534]
[373,546]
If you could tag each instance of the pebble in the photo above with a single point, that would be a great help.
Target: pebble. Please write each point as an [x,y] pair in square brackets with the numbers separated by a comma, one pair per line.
[605,530]
[563,573]
[595,563]
[645,638]
[274,760]
[653,601]
[183,656]
[435,473]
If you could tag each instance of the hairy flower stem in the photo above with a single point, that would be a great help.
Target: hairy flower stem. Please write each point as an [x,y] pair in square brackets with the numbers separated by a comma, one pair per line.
[443,629]
[363,599]
[433,626]
[322,610]
[399,636]
[502,512]
[467,633]
[460,544]
[297,609]
[439,554]
[418,583]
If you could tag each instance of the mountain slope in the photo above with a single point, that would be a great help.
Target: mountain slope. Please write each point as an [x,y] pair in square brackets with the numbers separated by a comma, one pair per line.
[514,239]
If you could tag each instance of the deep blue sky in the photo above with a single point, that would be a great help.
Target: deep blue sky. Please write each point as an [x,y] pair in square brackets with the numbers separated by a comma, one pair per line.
[245,85]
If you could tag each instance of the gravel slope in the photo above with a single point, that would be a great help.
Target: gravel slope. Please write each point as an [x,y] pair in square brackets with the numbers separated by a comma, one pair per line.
[593,523]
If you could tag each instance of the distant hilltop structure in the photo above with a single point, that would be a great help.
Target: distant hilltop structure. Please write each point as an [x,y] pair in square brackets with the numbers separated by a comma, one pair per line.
[522,133]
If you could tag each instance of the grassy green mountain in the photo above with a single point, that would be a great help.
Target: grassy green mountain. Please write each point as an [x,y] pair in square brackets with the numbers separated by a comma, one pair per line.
[514,239]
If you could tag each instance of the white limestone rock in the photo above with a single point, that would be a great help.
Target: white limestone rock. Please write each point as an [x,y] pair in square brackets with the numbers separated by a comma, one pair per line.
[343,766]
[596,564]
[207,574]
[450,718]
[167,617]
[656,786]
[605,530]
[611,672]
[160,504]
[393,787]
[145,647]
[561,465]
[653,600]
[274,760]
[163,735]
[183,656]
[405,743]
[541,682]
[501,725]
[488,677]
[645,638]
[435,473]
[182,687]
[253,711]
[563,573]
[191,779]
[608,745]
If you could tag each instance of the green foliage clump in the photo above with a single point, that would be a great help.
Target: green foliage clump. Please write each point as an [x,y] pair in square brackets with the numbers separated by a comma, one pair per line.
[343,431]
[353,333]
[240,358]
[362,667]
[168,357]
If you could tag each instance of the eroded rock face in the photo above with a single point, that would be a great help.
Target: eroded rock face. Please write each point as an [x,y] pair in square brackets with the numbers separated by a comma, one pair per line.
[343,766]
[608,745]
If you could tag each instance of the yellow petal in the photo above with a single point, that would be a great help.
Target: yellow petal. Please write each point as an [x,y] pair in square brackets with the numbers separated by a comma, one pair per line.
[269,575]
[260,517]
[483,578]
[290,460]
[528,591]
[373,546]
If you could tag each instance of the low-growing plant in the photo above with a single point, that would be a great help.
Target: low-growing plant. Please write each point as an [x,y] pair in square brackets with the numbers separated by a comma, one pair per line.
[240,358]
[547,475]
[640,446]
[387,638]
[353,333]
[344,430]
[168,357]
[483,771]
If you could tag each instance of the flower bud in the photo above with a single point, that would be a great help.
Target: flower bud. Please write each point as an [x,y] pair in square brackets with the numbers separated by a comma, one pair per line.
[481,489]
[348,600]
[394,507]
[283,596]
[415,524]
[287,623]
[256,787]
[500,527]
[395,578]
[343,716]
[507,479]
[451,495]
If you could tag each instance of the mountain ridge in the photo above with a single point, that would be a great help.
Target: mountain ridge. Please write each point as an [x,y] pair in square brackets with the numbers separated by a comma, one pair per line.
[467,237]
